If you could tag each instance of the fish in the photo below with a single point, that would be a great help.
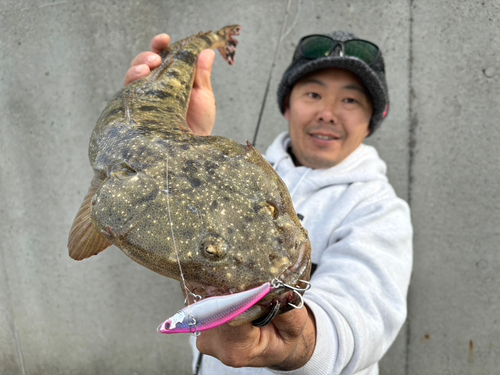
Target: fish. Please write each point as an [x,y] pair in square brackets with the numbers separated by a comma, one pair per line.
[204,210]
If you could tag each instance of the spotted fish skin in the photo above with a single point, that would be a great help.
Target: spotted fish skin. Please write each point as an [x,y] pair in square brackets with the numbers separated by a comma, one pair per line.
[171,200]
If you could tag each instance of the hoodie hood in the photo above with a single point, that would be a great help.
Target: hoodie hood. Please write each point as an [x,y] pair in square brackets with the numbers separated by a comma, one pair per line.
[363,165]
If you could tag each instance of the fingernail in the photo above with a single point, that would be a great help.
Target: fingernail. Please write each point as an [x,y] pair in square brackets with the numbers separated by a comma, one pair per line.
[138,69]
[152,58]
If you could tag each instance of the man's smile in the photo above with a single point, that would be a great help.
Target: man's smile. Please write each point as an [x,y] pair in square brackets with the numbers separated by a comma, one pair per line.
[323,136]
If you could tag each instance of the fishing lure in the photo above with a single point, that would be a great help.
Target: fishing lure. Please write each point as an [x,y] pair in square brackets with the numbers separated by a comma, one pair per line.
[215,311]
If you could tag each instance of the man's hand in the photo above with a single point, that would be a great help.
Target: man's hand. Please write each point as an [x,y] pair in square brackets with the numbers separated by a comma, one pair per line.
[201,109]
[285,344]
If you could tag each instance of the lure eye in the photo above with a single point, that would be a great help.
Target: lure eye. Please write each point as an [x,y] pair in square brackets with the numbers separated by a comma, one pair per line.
[214,247]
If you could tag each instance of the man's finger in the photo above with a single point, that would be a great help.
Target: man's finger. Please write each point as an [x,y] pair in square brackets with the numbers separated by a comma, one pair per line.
[149,58]
[204,69]
[135,73]
[291,324]
[160,42]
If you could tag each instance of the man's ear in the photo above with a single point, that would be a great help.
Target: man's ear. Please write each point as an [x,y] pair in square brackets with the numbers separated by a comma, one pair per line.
[287,114]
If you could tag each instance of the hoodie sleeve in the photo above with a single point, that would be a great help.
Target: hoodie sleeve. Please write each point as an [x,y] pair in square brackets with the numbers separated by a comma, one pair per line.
[359,289]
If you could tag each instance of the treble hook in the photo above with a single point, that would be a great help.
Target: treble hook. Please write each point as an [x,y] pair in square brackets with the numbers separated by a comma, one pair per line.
[301,304]
[306,288]
[192,324]
[277,283]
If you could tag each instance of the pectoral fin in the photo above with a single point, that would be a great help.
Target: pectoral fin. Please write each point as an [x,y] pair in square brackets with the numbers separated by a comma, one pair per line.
[84,239]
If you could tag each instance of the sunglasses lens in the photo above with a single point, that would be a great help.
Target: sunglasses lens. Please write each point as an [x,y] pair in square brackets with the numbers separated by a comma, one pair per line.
[317,46]
[361,49]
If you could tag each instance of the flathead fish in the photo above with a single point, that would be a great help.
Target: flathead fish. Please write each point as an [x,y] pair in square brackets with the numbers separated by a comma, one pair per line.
[203,209]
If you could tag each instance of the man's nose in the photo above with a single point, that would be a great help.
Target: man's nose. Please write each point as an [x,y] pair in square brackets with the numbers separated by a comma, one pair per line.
[328,114]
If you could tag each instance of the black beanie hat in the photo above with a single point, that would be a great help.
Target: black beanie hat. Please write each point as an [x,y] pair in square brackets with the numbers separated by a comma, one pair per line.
[372,76]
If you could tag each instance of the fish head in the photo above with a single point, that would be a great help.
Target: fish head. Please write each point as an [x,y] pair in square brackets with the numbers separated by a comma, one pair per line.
[219,242]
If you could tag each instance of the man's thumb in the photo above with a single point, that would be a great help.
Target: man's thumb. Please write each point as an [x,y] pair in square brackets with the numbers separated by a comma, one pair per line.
[204,69]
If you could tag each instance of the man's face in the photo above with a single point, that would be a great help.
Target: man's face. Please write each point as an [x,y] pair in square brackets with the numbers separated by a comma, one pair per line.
[328,113]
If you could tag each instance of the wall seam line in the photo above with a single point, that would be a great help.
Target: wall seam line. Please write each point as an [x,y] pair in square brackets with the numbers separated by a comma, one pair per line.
[412,140]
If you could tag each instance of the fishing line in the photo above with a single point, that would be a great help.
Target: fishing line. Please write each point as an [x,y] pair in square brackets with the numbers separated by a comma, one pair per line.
[299,6]
[280,39]
[193,328]
[186,289]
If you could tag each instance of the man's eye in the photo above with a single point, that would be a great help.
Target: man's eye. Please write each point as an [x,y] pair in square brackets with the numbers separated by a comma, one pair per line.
[314,95]
[350,100]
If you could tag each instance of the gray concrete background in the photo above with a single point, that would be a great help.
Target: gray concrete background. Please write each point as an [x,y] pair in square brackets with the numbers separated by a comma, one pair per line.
[60,63]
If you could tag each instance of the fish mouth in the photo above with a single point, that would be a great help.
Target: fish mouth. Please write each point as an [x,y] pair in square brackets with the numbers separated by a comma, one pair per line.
[291,279]
[302,268]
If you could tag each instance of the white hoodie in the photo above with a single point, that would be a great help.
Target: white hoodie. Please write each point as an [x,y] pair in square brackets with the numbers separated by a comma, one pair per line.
[361,237]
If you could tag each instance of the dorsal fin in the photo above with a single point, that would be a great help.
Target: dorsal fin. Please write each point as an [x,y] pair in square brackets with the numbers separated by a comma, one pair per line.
[84,239]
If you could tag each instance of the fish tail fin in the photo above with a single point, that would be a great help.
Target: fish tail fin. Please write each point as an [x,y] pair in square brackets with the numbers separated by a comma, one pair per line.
[169,86]
[228,48]
[188,49]
[84,239]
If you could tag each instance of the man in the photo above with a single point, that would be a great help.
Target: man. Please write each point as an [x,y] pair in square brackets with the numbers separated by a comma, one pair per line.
[333,95]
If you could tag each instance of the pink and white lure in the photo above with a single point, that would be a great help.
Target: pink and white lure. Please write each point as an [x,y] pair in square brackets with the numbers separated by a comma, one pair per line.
[213,311]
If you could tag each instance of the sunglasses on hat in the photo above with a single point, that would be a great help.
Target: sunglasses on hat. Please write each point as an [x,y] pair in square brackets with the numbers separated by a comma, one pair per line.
[317,46]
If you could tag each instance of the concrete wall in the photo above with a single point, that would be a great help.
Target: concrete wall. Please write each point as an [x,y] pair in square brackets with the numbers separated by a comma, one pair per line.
[61,61]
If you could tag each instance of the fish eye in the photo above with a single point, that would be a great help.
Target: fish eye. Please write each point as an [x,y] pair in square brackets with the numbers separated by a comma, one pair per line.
[214,247]
[120,170]
[273,209]
[210,249]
